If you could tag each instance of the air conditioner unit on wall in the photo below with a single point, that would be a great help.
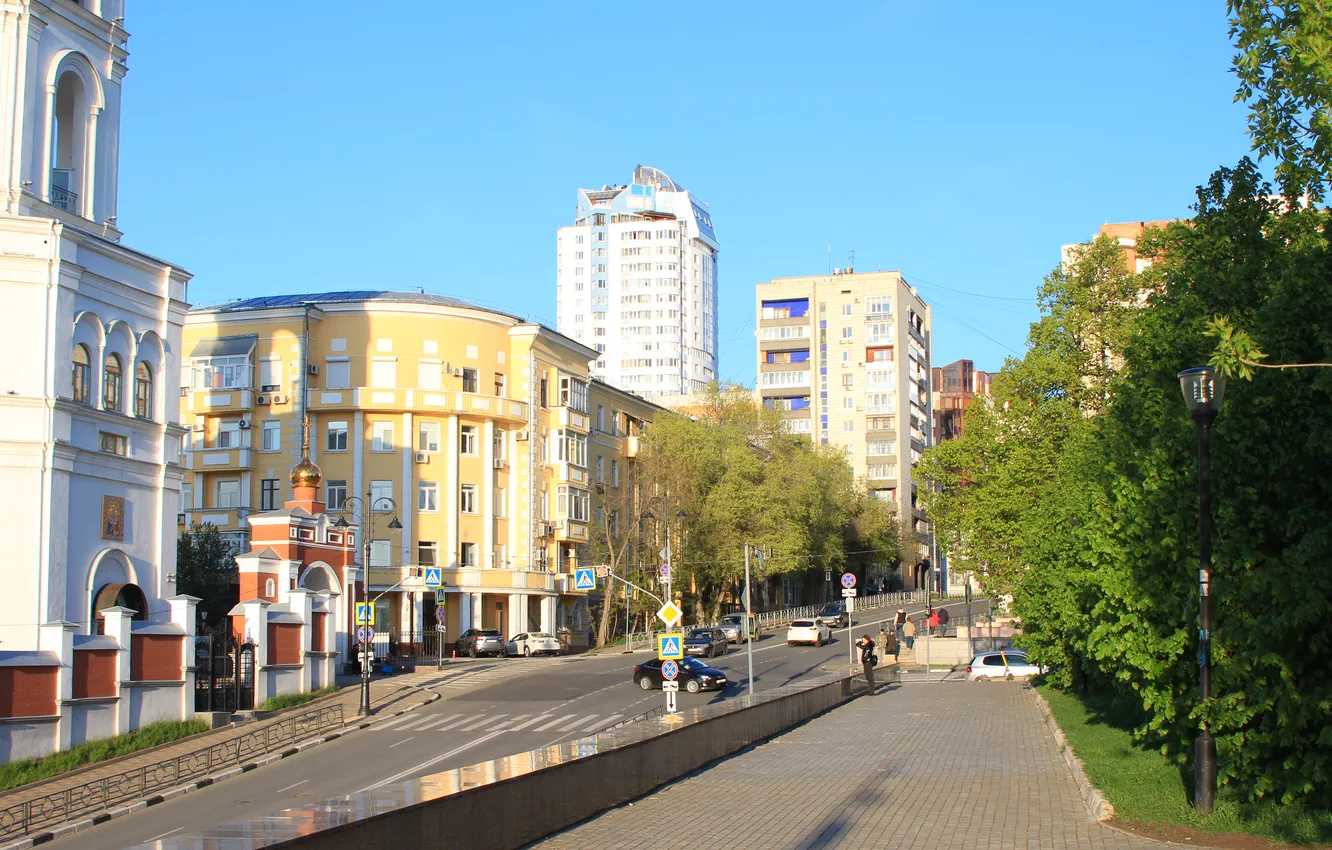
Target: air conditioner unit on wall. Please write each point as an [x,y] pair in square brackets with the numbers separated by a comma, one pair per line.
[279,399]
[261,399]
[522,436]
[423,457]
[457,373]
[499,463]
[313,368]
[244,425]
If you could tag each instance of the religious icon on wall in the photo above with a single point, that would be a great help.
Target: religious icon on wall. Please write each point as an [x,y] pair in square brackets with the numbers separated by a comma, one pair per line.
[113,518]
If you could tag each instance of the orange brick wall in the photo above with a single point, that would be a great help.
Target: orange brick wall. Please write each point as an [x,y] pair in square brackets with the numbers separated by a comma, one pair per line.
[320,627]
[28,691]
[95,673]
[284,643]
[155,658]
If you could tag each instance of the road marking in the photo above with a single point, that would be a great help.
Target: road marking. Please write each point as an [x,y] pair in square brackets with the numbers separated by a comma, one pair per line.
[280,790]
[415,722]
[430,762]
[482,722]
[172,832]
[546,726]
[403,741]
[502,724]
[463,718]
[582,721]
[392,722]
[527,723]
[438,719]
[608,721]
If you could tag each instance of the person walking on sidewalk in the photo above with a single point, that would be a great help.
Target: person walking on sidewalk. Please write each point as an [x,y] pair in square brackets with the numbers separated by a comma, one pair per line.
[909,633]
[866,644]
[891,645]
[881,643]
[898,622]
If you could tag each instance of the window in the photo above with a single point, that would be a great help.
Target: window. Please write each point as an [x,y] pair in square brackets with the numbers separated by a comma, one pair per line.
[337,437]
[337,374]
[227,493]
[270,372]
[427,437]
[575,504]
[601,469]
[186,497]
[497,444]
[848,426]
[268,494]
[427,496]
[499,384]
[112,383]
[81,389]
[381,553]
[381,491]
[468,554]
[112,444]
[467,499]
[573,394]
[428,374]
[272,437]
[847,332]
[143,391]
[878,448]
[877,333]
[381,436]
[601,418]
[470,381]
[499,502]
[228,435]
[878,305]
[427,553]
[846,309]
[545,388]
[467,440]
[615,473]
[848,402]
[881,470]
[383,373]
[848,381]
[336,495]
[571,447]
[221,373]
[880,403]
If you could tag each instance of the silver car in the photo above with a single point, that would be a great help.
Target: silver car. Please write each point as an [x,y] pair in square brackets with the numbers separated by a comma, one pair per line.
[533,643]
[1005,664]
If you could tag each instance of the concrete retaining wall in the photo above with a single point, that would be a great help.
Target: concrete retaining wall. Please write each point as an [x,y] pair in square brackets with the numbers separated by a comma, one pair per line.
[519,807]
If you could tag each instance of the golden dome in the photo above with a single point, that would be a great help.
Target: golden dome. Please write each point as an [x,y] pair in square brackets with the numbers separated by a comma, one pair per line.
[306,473]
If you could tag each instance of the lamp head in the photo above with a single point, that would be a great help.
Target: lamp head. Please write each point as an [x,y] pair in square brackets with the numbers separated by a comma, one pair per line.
[341,523]
[1203,388]
[395,525]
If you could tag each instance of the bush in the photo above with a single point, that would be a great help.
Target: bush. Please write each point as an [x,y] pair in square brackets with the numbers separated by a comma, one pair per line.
[288,700]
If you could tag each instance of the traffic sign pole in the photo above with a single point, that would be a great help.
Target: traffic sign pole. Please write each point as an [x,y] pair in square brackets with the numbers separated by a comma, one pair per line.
[849,583]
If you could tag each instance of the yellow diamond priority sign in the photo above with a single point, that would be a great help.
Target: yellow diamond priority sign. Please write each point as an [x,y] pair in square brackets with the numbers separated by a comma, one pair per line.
[670,614]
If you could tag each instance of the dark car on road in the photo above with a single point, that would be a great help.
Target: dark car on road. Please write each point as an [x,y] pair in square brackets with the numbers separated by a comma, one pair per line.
[834,615]
[694,675]
[474,642]
[709,642]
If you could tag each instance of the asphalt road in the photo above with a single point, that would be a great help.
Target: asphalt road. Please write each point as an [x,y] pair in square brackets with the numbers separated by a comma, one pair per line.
[492,708]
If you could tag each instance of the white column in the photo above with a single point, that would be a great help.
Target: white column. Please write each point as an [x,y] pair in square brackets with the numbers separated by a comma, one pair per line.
[183,608]
[487,494]
[478,618]
[511,510]
[90,164]
[515,621]
[116,625]
[48,122]
[449,455]
[358,482]
[58,639]
[407,504]
[548,614]
[301,603]
[464,613]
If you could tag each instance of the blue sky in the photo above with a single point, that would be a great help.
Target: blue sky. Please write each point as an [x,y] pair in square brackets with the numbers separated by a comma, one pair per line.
[302,146]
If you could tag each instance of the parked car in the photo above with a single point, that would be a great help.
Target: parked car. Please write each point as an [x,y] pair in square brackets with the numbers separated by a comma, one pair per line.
[533,643]
[1005,664]
[808,631]
[709,642]
[694,675]
[833,615]
[732,625]
[474,642]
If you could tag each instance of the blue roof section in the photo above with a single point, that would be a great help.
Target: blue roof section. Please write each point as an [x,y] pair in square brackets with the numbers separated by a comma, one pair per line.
[268,302]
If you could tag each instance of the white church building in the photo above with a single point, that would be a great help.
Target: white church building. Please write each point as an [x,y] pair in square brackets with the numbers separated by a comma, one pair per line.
[93,640]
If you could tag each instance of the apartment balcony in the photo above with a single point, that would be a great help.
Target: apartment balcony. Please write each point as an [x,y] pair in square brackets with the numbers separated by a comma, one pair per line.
[217,460]
[570,531]
[219,401]
[421,401]
[570,418]
[567,473]
[632,446]
[64,199]
[224,518]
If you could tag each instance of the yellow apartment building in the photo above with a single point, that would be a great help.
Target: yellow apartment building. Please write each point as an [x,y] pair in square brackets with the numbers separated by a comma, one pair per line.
[480,432]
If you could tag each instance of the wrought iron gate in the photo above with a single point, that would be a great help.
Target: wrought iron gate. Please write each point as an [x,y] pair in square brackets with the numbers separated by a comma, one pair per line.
[224,671]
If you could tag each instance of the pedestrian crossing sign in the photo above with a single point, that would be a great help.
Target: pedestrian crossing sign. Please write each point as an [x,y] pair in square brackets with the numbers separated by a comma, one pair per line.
[583,579]
[670,647]
[434,577]
[365,614]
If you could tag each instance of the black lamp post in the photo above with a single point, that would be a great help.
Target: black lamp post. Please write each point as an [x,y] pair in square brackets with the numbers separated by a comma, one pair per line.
[1203,388]
[374,509]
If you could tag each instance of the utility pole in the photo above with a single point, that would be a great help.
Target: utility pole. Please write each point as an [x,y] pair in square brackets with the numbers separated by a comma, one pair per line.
[749,635]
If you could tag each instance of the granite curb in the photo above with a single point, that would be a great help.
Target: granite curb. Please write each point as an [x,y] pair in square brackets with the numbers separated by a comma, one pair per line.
[220,776]
[1098,807]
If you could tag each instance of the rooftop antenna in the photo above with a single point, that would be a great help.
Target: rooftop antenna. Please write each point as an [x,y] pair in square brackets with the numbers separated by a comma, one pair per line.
[851,259]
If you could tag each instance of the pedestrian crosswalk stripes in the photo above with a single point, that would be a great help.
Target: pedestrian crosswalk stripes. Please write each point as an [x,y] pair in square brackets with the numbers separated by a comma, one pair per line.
[496,722]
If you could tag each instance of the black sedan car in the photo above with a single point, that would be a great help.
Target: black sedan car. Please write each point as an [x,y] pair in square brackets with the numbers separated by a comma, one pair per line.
[709,642]
[694,675]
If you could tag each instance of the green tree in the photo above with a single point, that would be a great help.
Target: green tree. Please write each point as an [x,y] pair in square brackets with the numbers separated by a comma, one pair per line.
[1283,61]
[206,568]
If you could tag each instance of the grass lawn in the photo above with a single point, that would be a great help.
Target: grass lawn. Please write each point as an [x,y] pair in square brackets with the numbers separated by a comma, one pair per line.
[288,700]
[1147,788]
[19,773]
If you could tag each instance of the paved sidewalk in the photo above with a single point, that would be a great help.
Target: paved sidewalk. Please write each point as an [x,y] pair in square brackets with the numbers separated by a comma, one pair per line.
[919,766]
[389,696]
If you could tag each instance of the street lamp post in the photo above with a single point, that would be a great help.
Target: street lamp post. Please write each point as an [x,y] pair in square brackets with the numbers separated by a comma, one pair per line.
[374,508]
[1203,389]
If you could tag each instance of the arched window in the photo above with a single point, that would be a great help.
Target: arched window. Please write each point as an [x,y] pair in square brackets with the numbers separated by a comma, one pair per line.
[68,144]
[112,383]
[143,391]
[81,389]
[270,589]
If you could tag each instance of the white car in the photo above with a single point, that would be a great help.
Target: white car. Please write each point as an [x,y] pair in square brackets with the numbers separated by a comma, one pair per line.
[808,631]
[533,643]
[1006,664]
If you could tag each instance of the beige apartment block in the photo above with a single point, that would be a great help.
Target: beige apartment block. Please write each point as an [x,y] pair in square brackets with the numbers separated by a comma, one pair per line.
[846,358]
[483,429]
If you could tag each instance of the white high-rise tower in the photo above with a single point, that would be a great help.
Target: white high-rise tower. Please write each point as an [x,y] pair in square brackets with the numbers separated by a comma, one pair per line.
[636,279]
